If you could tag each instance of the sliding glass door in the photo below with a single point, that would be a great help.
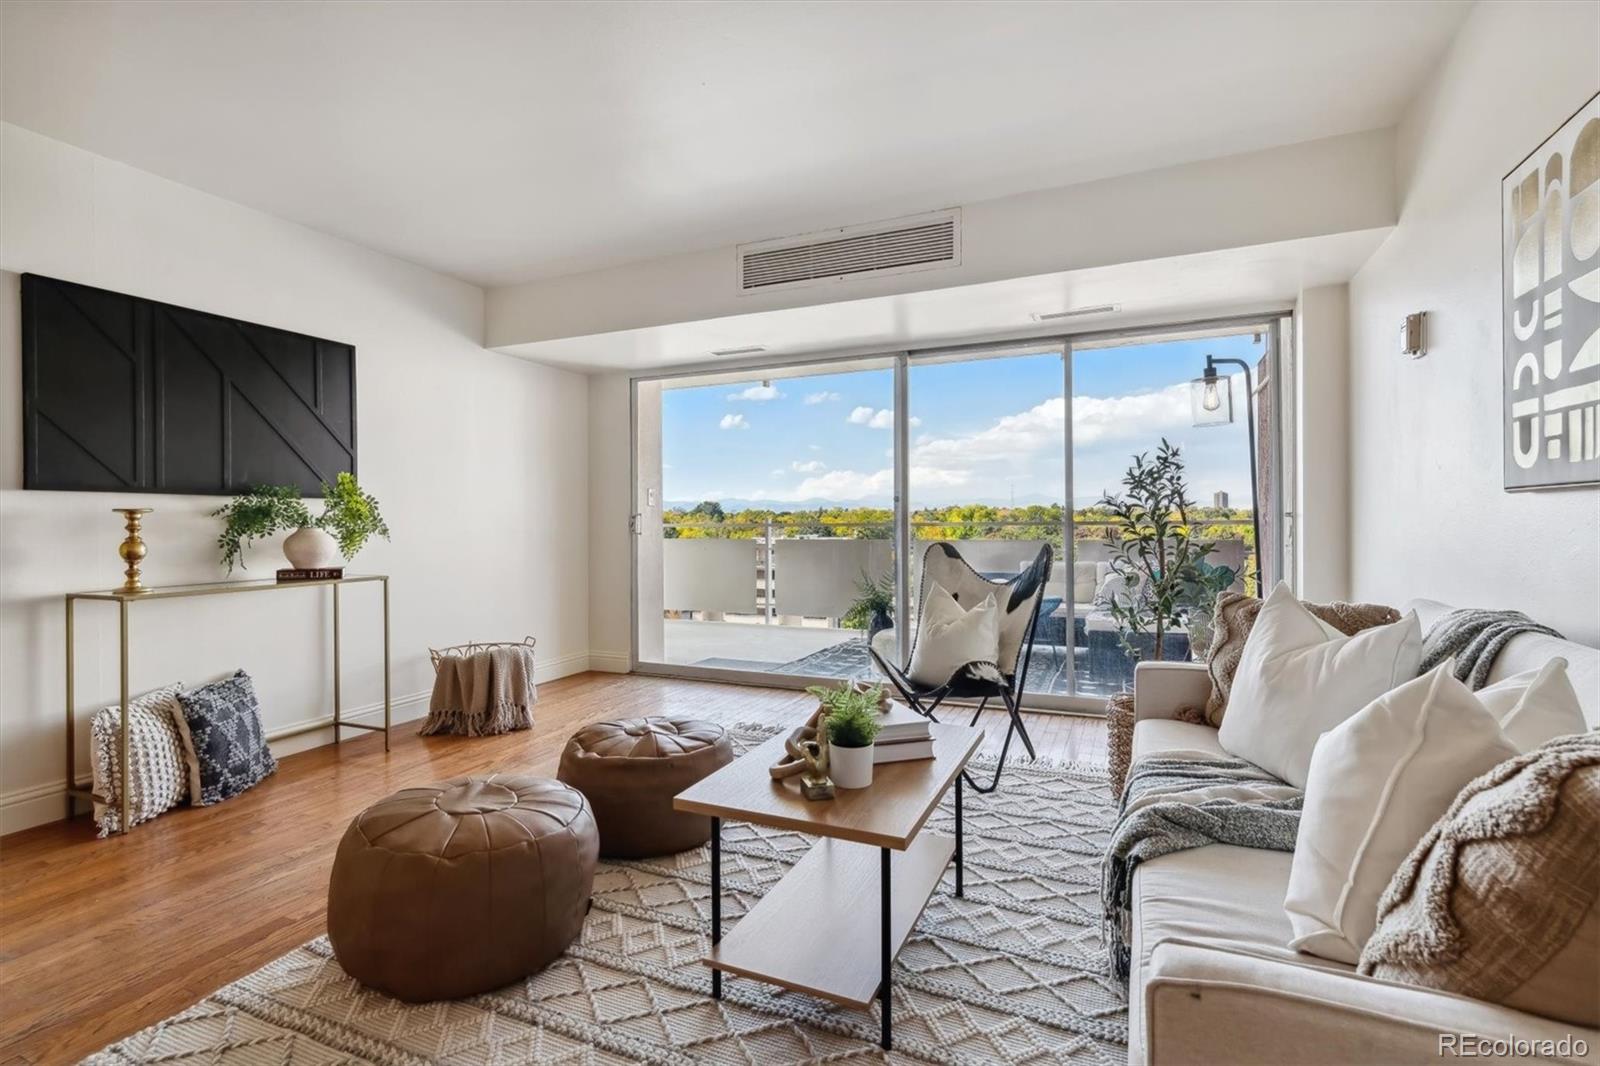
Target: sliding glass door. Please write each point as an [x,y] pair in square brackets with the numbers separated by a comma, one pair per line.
[1131,396]
[769,501]
[766,519]
[987,473]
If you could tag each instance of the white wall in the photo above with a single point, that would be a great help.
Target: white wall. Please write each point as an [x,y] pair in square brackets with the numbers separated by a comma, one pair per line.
[1322,469]
[479,459]
[610,504]
[1430,517]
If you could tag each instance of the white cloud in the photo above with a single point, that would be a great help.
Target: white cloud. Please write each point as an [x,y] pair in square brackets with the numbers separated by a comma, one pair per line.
[756,394]
[810,466]
[822,397]
[877,418]
[733,422]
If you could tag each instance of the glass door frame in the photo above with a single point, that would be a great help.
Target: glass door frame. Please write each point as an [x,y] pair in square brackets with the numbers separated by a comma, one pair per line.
[1269,321]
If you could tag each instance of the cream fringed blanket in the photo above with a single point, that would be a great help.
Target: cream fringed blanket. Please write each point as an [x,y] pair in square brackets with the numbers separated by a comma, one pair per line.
[483,693]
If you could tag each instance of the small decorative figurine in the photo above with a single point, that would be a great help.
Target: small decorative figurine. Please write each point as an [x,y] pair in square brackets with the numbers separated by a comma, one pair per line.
[806,754]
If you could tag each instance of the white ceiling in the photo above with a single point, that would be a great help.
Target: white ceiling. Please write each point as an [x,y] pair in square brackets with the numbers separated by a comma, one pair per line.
[1165,291]
[502,142]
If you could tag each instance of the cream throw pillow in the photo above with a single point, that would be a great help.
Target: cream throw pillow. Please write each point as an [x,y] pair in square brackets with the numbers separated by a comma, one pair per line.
[1299,677]
[1535,705]
[952,636]
[1378,782]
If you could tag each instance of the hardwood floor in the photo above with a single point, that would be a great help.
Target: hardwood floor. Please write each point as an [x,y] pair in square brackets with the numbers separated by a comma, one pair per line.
[100,938]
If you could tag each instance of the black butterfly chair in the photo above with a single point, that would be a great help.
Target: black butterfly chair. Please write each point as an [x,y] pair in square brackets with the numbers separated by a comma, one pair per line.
[1019,600]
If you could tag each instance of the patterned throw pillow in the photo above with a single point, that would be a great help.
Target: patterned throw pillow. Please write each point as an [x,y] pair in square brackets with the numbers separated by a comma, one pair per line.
[158,778]
[222,735]
[1501,900]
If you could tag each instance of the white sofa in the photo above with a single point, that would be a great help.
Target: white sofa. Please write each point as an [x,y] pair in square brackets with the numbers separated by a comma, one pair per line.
[1212,980]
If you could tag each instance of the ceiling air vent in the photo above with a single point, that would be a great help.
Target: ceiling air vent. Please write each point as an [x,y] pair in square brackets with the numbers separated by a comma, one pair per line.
[923,242]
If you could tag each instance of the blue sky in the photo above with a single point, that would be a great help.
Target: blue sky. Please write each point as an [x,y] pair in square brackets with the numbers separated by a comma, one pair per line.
[984,431]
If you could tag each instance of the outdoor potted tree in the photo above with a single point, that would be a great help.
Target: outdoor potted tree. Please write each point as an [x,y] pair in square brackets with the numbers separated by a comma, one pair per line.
[1153,553]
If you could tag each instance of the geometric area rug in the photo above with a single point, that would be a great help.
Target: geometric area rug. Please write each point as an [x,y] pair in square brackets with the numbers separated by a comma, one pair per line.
[1014,972]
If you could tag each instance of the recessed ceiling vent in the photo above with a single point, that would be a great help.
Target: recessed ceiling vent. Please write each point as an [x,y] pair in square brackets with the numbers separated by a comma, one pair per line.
[922,242]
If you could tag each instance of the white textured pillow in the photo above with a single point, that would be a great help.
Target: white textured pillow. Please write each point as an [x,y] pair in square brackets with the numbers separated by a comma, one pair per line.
[1535,706]
[159,776]
[952,636]
[1378,783]
[1298,677]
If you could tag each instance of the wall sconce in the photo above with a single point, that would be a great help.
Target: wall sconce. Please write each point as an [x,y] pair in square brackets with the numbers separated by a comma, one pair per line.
[1411,336]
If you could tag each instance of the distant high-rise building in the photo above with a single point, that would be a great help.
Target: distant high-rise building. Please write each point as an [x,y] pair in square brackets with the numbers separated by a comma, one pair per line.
[1219,500]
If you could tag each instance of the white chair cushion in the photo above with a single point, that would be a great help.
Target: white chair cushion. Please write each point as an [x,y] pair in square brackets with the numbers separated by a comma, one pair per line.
[951,636]
[1535,705]
[1299,677]
[1378,781]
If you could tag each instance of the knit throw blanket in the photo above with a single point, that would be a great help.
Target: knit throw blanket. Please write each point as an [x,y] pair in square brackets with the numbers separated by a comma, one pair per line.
[1172,804]
[1474,638]
[481,694]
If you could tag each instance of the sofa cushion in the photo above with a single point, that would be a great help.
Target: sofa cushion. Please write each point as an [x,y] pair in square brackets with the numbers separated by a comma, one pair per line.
[1299,677]
[1378,782]
[1535,706]
[1234,617]
[1530,651]
[1165,736]
[1219,894]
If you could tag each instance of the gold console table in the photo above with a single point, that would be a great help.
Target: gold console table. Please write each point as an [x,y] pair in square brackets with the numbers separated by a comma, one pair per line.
[171,592]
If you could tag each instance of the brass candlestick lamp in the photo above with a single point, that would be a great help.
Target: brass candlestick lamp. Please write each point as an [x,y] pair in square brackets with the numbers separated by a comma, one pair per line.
[133,549]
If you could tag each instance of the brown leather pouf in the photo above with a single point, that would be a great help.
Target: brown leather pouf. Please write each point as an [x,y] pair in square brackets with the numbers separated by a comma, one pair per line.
[631,769]
[462,887]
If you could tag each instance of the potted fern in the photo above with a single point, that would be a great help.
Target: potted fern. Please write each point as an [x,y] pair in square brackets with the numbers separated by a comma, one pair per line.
[349,518]
[873,608]
[851,714]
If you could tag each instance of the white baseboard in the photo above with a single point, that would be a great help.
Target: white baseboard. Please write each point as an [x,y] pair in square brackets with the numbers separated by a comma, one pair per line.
[611,662]
[24,808]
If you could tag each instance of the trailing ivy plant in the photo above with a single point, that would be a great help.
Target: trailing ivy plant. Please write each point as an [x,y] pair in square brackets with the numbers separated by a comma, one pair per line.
[256,515]
[349,515]
[1151,548]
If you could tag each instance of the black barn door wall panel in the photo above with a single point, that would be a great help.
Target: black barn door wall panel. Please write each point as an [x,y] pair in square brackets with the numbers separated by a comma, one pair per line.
[124,394]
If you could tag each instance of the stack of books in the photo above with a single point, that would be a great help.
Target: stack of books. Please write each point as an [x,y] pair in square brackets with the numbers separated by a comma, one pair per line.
[903,736]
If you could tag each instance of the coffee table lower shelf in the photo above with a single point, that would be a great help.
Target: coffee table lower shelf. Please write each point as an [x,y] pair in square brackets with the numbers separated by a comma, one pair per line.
[820,929]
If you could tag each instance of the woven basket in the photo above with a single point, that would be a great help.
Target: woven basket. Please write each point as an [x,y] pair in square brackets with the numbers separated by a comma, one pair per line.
[474,647]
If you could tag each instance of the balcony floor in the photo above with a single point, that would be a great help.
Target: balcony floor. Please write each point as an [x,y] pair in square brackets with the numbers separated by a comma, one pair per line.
[817,651]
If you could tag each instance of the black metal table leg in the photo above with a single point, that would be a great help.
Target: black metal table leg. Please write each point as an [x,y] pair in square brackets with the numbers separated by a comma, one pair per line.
[959,869]
[883,988]
[716,900]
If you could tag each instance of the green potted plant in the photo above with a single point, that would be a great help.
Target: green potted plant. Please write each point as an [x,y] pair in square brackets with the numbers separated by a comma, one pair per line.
[1152,551]
[350,517]
[851,716]
[1199,598]
[873,607]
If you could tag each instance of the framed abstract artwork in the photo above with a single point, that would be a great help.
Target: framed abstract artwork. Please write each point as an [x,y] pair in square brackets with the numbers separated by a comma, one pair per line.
[1550,285]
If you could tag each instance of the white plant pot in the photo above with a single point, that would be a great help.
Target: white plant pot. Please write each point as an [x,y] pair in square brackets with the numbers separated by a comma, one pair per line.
[309,548]
[850,767]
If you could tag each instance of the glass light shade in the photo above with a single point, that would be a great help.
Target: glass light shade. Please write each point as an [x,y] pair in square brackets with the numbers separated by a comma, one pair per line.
[1211,400]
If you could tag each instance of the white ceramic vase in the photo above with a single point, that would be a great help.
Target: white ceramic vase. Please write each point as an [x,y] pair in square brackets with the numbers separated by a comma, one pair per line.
[850,767]
[309,548]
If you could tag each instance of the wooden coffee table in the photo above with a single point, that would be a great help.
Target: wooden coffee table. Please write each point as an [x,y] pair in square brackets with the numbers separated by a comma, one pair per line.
[811,932]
